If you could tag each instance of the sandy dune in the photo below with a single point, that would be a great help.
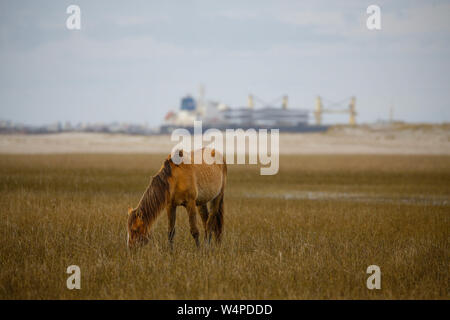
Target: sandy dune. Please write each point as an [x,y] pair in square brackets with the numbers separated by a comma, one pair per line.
[400,139]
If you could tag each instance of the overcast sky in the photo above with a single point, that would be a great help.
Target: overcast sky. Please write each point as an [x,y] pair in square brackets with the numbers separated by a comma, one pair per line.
[132,61]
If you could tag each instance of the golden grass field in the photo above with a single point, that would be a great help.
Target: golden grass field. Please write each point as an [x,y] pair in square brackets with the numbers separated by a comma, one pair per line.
[309,232]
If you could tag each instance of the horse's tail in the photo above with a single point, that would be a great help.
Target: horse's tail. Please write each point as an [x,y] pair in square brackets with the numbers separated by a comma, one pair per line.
[215,221]
[216,224]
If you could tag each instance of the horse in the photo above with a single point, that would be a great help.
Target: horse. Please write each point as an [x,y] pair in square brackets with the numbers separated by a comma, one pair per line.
[192,186]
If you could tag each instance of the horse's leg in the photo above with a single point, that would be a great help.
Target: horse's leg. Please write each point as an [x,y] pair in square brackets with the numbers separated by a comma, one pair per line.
[203,209]
[171,215]
[215,220]
[192,212]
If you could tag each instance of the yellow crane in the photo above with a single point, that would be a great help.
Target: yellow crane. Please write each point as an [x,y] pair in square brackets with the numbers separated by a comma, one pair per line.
[320,110]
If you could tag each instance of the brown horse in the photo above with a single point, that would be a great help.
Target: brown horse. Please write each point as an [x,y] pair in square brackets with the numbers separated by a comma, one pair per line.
[192,186]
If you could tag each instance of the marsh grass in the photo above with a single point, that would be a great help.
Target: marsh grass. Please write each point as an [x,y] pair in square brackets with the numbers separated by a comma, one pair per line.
[59,210]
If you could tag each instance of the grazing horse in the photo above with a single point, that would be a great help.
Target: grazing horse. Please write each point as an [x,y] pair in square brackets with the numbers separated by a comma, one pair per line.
[192,186]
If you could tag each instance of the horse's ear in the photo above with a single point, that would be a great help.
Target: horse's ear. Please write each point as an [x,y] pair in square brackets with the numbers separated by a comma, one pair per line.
[130,210]
[176,157]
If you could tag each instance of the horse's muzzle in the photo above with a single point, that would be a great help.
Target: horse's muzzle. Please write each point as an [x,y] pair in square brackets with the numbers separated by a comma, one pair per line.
[141,241]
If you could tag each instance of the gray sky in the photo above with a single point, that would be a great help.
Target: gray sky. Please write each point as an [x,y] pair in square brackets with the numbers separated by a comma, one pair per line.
[132,61]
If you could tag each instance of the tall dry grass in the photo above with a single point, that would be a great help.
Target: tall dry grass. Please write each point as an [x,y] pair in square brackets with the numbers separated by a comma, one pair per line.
[308,232]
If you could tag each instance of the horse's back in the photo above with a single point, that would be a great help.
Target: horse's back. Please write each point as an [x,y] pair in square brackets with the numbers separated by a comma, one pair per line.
[210,179]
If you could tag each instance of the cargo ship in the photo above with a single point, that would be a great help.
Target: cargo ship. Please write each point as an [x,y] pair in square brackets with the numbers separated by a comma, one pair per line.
[221,116]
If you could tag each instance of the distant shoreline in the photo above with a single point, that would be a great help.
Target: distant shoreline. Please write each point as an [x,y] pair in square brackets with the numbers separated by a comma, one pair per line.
[374,139]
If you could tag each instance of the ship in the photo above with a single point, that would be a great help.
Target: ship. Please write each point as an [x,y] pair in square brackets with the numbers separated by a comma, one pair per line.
[221,116]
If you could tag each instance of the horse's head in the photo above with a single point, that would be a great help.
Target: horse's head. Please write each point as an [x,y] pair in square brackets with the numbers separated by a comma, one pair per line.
[137,229]
[151,204]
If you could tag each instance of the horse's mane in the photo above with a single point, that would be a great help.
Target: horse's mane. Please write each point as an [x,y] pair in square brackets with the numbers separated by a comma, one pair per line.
[155,197]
